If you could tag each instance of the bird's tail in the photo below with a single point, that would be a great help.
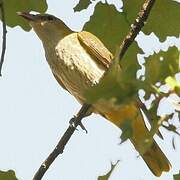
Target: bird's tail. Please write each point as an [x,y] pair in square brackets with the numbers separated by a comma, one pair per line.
[150,152]
[156,160]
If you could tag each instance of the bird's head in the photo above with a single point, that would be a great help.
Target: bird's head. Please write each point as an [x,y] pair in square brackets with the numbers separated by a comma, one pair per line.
[46,26]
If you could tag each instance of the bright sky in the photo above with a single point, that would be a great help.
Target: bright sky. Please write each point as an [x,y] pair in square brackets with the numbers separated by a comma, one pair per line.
[35,112]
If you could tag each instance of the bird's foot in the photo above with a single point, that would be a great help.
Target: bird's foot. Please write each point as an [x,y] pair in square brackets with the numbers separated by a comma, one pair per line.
[72,124]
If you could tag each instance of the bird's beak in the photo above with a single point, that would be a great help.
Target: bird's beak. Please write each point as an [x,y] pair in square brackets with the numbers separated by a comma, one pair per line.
[27,16]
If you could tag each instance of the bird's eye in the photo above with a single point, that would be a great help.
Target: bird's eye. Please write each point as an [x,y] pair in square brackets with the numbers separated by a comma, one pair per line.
[50,18]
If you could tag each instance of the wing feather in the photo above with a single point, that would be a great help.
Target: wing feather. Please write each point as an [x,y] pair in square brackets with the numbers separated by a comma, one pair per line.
[59,81]
[96,47]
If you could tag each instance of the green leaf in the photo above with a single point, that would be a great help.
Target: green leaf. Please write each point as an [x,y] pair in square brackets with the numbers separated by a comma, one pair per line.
[83,4]
[11,8]
[163,19]
[106,177]
[119,82]
[8,175]
[176,176]
[112,29]
[173,84]
[109,25]
[108,86]
[130,64]
[127,130]
[151,114]
[161,67]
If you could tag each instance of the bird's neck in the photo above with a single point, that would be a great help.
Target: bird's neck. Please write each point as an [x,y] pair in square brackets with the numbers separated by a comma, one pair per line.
[51,40]
[51,34]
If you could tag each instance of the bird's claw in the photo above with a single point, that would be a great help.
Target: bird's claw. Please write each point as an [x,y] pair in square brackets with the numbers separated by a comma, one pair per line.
[72,124]
[83,127]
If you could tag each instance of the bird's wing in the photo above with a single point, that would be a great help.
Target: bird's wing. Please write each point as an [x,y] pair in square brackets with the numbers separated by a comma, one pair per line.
[95,47]
[59,81]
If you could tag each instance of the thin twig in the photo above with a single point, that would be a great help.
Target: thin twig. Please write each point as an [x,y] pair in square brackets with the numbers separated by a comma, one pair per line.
[136,28]
[157,124]
[4,35]
[171,128]
[62,143]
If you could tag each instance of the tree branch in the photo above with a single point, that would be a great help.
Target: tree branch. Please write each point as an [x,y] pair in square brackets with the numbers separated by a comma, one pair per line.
[136,28]
[62,143]
[4,35]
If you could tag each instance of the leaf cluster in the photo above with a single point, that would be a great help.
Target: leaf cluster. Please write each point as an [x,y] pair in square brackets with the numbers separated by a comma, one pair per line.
[120,83]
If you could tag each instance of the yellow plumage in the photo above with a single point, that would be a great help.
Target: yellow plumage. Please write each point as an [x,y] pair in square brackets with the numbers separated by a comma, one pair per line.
[150,151]
[78,61]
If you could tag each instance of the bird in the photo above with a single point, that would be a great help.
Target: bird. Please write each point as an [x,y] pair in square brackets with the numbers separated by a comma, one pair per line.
[78,60]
